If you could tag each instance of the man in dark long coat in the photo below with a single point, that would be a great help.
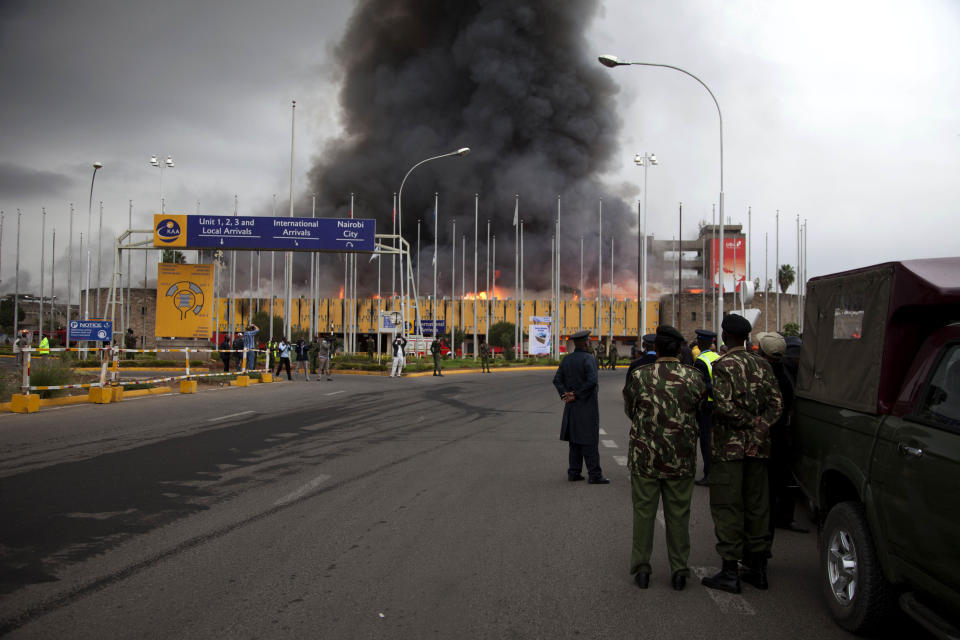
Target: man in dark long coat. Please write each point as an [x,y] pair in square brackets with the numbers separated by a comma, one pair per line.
[576,382]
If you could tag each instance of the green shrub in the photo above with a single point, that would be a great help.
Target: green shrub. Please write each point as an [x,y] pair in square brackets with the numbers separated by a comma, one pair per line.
[50,372]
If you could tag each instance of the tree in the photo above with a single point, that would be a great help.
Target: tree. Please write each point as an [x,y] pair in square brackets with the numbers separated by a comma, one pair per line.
[501,335]
[174,256]
[785,277]
[262,320]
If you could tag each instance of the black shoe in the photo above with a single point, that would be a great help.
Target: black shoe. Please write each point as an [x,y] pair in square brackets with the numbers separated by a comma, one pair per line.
[574,478]
[642,578]
[600,480]
[702,482]
[754,571]
[679,581]
[728,579]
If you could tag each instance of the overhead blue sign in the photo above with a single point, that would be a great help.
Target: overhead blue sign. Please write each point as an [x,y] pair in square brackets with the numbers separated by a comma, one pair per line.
[266,233]
[99,330]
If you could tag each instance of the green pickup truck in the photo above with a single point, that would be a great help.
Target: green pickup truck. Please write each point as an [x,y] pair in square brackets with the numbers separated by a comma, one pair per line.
[877,441]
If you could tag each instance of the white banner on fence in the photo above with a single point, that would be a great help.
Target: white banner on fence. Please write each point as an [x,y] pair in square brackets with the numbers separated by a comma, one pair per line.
[539,340]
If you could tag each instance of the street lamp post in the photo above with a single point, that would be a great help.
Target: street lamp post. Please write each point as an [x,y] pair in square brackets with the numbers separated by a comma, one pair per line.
[164,164]
[645,160]
[613,61]
[96,167]
[403,301]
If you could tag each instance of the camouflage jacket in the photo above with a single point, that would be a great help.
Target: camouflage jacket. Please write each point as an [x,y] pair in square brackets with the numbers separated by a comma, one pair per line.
[484,350]
[435,348]
[746,401]
[661,401]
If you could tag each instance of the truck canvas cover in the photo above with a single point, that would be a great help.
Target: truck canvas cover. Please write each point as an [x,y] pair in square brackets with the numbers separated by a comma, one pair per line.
[863,327]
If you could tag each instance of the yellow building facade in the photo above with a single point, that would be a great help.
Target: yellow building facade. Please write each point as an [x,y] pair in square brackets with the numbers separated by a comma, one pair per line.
[619,318]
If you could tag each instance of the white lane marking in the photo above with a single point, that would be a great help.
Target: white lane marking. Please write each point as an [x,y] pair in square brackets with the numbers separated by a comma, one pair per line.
[609,444]
[728,602]
[333,393]
[302,491]
[227,417]
[620,460]
[603,432]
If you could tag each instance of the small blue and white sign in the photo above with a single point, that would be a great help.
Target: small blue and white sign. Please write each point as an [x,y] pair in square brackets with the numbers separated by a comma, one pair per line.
[433,327]
[99,330]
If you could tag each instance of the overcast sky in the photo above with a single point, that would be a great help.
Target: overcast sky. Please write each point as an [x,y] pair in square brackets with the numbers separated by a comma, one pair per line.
[844,113]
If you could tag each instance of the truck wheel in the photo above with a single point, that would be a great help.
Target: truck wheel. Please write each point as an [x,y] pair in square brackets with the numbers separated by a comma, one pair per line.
[858,596]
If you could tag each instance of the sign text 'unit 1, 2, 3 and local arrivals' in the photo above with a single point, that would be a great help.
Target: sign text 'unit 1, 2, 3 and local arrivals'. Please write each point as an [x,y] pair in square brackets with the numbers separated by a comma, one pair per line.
[264,233]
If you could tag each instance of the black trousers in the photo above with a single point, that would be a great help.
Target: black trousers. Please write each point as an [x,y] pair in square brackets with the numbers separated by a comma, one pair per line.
[588,453]
[284,362]
[226,362]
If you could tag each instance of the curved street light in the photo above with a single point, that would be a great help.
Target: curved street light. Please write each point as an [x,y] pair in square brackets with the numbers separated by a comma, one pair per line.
[403,300]
[614,61]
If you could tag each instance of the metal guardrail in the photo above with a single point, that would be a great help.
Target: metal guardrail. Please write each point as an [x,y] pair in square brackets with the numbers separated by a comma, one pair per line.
[114,366]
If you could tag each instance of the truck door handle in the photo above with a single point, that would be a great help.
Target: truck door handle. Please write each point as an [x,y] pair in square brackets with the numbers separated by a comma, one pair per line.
[907,450]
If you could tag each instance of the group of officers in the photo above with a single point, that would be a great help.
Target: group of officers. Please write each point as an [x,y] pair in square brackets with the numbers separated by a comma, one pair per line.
[736,405]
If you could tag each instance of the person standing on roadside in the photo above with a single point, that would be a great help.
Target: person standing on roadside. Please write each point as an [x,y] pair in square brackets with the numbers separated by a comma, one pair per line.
[613,356]
[661,400]
[250,344]
[312,352]
[283,349]
[746,403]
[484,356]
[225,352]
[238,351]
[772,347]
[323,358]
[302,355]
[576,382]
[399,358]
[704,364]
[436,350]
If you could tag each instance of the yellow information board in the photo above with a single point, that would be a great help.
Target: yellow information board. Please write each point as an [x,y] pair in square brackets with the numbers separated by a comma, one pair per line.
[184,300]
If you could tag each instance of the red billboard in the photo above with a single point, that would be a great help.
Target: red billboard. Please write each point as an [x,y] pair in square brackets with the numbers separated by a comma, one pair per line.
[734,263]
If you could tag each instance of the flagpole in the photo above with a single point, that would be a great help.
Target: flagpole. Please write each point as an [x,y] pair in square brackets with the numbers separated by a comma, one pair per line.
[776,269]
[580,291]
[522,309]
[556,322]
[393,258]
[493,289]
[453,290]
[436,234]
[53,264]
[463,291]
[43,246]
[16,285]
[517,333]
[599,270]
[486,302]
[476,241]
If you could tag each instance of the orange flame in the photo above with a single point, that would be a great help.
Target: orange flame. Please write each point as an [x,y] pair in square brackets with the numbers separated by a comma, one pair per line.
[341,293]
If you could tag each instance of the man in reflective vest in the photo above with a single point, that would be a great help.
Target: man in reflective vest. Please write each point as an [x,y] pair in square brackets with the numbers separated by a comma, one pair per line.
[704,364]
[44,348]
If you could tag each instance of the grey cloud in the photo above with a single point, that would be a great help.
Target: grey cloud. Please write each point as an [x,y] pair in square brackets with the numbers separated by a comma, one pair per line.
[23,182]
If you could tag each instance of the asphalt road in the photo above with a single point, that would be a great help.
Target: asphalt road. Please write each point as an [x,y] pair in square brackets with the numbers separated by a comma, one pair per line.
[365,507]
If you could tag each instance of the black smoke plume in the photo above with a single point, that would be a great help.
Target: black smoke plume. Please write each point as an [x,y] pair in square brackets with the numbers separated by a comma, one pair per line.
[515,82]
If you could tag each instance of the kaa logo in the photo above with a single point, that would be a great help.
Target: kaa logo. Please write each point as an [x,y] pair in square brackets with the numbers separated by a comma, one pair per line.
[168,230]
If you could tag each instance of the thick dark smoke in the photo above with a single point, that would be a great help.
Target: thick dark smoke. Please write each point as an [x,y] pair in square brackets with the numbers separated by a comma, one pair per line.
[516,83]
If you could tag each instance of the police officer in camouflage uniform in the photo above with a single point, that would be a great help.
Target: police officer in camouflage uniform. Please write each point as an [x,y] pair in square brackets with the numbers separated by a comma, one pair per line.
[661,400]
[484,356]
[612,356]
[436,350]
[746,402]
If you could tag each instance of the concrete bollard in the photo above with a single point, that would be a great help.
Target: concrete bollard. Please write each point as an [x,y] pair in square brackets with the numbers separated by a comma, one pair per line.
[100,395]
[25,402]
[116,394]
[243,381]
[266,377]
[188,386]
